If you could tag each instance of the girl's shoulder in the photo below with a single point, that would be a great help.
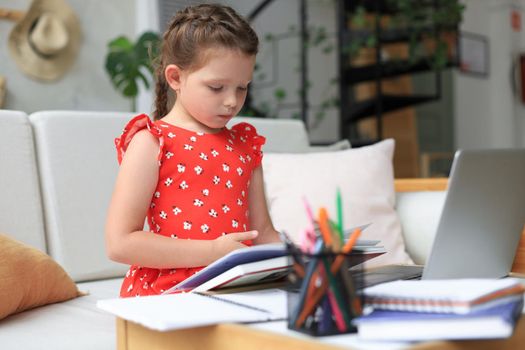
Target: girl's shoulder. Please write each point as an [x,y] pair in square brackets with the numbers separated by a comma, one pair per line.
[248,133]
[247,130]
[135,125]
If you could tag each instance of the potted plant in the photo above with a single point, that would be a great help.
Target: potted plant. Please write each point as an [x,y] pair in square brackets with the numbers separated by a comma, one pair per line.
[128,64]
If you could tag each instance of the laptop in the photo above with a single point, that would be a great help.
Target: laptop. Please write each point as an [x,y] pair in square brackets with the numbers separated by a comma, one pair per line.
[481,223]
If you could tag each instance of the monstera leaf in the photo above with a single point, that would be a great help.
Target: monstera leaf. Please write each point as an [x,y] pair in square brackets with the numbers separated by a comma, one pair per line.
[127,63]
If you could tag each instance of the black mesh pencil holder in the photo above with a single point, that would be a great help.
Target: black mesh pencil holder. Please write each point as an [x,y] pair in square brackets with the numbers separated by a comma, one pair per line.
[322,291]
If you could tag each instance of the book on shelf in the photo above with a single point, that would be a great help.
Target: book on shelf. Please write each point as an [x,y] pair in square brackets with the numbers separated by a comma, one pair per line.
[458,296]
[256,265]
[493,322]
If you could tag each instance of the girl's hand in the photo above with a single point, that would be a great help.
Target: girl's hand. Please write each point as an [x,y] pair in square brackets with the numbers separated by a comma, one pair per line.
[230,242]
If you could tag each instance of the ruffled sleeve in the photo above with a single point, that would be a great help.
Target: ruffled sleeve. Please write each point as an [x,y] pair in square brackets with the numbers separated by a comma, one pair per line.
[136,124]
[255,140]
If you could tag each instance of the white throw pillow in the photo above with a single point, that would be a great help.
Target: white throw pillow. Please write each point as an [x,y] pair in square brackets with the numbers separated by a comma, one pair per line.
[365,178]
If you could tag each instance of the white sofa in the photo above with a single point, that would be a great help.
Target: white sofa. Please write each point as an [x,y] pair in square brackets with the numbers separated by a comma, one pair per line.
[57,170]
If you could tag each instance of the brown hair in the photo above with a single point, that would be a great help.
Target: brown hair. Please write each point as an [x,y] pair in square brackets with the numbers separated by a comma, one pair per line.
[191,31]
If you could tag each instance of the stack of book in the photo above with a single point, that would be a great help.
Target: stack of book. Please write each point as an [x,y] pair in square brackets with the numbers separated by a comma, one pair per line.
[441,309]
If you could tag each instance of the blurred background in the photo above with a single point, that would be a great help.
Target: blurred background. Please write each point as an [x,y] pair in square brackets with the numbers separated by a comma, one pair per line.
[434,75]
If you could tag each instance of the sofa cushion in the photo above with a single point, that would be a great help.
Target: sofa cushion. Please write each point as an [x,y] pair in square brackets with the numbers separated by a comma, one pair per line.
[21,212]
[78,166]
[364,176]
[30,278]
[72,324]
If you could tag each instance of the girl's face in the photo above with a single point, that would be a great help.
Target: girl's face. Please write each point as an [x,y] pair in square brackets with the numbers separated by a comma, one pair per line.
[207,98]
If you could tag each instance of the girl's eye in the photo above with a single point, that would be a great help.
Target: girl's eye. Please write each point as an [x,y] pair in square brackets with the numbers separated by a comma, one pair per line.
[243,88]
[215,88]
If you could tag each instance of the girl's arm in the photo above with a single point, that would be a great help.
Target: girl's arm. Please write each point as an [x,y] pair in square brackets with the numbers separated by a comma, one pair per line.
[126,242]
[259,216]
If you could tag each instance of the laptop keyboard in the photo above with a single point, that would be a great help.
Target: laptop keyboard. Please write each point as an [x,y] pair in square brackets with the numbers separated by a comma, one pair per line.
[387,273]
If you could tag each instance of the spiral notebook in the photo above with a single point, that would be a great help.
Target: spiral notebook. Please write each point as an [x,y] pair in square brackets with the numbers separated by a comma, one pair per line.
[489,323]
[458,296]
[187,310]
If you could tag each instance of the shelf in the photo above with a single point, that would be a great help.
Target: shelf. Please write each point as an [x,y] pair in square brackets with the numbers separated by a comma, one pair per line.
[367,108]
[389,69]
[381,6]
[389,36]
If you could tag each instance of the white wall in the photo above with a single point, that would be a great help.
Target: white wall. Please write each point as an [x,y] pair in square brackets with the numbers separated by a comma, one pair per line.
[486,112]
[86,86]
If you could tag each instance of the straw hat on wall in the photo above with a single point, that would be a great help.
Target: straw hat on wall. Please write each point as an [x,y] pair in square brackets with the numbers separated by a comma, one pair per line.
[45,42]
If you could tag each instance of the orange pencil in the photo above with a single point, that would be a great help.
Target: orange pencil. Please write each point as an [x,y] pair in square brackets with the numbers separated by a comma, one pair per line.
[346,249]
[324,225]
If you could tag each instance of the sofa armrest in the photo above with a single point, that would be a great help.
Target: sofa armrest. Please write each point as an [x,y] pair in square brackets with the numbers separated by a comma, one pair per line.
[419,205]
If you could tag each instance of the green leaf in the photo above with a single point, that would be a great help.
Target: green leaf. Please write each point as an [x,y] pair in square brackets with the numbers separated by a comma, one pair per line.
[280,94]
[131,89]
[328,49]
[128,63]
[120,44]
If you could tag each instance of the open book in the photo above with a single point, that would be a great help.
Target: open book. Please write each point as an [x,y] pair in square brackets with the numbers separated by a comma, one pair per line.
[260,263]
[255,265]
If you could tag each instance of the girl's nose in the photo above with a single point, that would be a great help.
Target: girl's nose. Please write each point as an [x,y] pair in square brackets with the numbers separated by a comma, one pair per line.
[231,101]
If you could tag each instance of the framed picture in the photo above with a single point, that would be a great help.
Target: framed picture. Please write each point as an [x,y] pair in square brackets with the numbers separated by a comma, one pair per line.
[474,54]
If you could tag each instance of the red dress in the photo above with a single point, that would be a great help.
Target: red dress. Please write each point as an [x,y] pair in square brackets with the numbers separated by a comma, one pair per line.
[202,190]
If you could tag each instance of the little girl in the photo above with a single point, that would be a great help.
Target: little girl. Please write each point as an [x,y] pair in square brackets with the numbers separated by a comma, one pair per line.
[198,183]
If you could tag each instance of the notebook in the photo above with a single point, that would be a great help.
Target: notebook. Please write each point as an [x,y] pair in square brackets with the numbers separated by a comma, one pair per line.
[188,310]
[481,222]
[495,322]
[457,296]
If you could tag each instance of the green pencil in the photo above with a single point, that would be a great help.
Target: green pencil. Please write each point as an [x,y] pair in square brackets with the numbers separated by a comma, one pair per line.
[339,201]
